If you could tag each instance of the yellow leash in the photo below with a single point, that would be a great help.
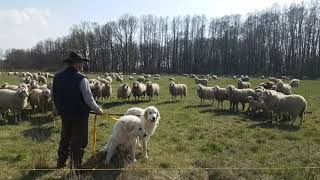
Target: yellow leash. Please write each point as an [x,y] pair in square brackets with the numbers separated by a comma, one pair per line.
[94,136]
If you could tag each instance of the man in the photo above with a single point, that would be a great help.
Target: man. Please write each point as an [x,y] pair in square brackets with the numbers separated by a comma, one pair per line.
[73,100]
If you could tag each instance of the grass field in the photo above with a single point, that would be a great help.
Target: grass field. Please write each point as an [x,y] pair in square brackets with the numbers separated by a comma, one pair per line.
[189,139]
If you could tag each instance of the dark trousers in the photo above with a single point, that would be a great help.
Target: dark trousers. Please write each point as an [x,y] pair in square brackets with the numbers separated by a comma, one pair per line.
[74,139]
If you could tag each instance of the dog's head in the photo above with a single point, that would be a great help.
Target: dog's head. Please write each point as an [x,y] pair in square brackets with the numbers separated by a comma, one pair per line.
[152,114]
[136,129]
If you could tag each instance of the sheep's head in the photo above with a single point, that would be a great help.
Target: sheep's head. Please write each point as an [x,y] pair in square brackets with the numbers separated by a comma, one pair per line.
[280,84]
[135,84]
[34,84]
[46,93]
[98,77]
[125,87]
[23,92]
[5,85]
[171,84]
[249,98]
[199,86]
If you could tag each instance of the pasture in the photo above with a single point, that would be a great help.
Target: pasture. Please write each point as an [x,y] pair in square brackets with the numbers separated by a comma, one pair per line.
[190,138]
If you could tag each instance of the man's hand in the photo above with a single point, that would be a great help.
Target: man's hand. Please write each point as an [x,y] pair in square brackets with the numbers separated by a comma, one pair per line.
[99,112]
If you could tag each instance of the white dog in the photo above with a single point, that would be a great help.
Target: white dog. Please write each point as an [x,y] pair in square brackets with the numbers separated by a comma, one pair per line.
[150,118]
[124,134]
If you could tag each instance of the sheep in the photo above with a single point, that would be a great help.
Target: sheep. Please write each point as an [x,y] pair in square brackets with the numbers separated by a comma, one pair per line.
[152,89]
[245,78]
[92,81]
[275,80]
[156,78]
[109,78]
[268,85]
[204,93]
[130,78]
[215,77]
[119,78]
[283,88]
[201,81]
[234,77]
[177,89]
[26,80]
[138,89]
[238,95]
[220,94]
[16,101]
[10,73]
[104,81]
[96,90]
[157,75]
[124,92]
[106,90]
[35,76]
[285,78]
[140,79]
[293,106]
[280,104]
[42,79]
[29,74]
[171,79]
[40,98]
[294,83]
[255,105]
[243,85]
[8,86]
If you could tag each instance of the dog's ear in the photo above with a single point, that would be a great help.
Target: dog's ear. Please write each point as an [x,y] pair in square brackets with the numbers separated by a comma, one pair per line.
[145,114]
[129,127]
[158,115]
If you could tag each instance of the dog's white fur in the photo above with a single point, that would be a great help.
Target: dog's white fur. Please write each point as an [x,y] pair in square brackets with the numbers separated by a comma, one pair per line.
[124,134]
[150,118]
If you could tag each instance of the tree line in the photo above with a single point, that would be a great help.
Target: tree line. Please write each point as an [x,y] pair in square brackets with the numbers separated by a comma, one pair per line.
[275,41]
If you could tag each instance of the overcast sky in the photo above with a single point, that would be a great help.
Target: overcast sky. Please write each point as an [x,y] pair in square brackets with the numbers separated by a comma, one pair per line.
[25,22]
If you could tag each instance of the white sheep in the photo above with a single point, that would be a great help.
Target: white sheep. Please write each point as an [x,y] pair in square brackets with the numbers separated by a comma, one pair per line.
[138,89]
[294,83]
[201,81]
[283,88]
[119,78]
[124,92]
[152,89]
[40,99]
[255,105]
[96,90]
[9,86]
[141,79]
[106,90]
[15,101]
[109,78]
[220,94]
[205,93]
[177,89]
[280,104]
[237,96]
[130,78]
[104,81]
[42,79]
[171,79]
[243,85]
[156,78]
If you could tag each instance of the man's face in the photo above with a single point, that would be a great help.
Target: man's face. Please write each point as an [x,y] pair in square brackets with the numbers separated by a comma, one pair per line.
[79,66]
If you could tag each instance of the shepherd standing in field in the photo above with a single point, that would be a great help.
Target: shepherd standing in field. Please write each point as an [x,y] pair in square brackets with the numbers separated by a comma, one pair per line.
[73,100]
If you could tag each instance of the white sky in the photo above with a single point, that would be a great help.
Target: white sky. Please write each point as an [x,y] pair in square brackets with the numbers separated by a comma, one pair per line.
[24,23]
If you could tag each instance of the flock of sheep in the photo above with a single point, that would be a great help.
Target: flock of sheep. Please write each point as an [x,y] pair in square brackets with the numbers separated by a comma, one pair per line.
[273,97]
[33,89]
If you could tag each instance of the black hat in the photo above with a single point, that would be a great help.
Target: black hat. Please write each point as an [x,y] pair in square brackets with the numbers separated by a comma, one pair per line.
[75,57]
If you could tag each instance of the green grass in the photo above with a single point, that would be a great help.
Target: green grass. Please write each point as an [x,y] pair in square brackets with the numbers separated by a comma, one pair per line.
[189,136]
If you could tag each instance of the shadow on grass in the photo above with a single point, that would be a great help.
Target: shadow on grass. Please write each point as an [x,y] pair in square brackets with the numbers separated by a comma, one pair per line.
[282,126]
[119,103]
[219,112]
[198,106]
[111,171]
[40,119]
[39,134]
[166,102]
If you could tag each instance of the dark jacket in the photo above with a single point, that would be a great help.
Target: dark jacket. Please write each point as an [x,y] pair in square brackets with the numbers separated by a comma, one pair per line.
[67,95]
